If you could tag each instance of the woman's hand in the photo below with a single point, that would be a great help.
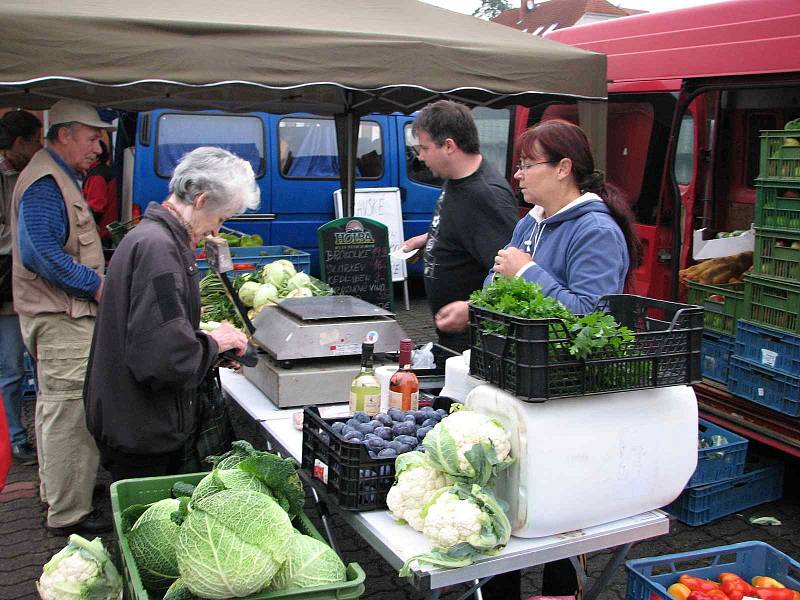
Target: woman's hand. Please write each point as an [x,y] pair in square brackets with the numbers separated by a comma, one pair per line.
[509,261]
[229,338]
[453,317]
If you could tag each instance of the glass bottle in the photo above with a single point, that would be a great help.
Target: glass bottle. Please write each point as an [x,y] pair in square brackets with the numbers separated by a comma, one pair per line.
[365,391]
[404,385]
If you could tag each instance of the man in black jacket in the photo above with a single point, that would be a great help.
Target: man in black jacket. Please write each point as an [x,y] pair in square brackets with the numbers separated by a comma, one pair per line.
[474,216]
[148,355]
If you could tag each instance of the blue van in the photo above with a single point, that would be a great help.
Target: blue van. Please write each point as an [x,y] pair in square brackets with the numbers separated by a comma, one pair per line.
[297,167]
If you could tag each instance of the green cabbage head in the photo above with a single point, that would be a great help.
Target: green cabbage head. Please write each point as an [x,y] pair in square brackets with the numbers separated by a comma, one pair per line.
[228,479]
[232,543]
[152,541]
[310,563]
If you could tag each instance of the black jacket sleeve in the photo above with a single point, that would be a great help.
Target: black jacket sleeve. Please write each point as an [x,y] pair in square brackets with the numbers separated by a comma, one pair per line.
[163,347]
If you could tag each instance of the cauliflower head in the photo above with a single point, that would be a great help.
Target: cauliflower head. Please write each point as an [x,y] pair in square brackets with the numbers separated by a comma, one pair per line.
[449,442]
[82,569]
[415,485]
[469,428]
[451,520]
[462,522]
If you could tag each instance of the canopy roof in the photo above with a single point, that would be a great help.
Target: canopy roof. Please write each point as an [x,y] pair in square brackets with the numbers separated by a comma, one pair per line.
[278,56]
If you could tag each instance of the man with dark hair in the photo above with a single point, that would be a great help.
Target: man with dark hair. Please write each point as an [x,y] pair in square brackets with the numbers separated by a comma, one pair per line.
[57,281]
[474,216]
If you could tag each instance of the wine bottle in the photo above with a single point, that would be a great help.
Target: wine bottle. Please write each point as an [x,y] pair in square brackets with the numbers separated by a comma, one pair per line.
[365,391]
[404,385]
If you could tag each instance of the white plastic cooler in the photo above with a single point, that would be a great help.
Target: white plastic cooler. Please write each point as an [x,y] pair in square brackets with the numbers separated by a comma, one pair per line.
[595,459]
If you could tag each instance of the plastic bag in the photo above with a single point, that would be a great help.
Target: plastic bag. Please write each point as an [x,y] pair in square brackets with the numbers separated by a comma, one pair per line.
[422,358]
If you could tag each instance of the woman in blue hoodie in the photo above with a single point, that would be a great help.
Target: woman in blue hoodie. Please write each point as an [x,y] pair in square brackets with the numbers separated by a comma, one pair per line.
[578,241]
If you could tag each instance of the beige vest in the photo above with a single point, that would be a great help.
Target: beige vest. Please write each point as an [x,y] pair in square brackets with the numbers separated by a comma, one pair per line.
[32,294]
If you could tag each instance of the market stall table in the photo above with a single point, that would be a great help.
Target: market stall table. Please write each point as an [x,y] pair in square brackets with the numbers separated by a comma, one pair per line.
[397,543]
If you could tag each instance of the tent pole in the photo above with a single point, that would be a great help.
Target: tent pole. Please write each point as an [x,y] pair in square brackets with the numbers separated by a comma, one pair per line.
[347,125]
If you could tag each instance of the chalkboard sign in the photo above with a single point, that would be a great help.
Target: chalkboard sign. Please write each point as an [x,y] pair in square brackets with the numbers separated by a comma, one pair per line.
[382,205]
[354,259]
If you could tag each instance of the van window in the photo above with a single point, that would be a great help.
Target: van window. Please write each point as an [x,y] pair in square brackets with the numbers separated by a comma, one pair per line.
[493,132]
[177,134]
[415,168]
[308,149]
[684,155]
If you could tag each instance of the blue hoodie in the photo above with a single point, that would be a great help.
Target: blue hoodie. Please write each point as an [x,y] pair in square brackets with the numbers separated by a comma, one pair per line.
[579,253]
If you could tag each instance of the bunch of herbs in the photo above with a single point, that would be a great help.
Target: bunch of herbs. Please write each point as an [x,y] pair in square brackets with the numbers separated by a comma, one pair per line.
[597,331]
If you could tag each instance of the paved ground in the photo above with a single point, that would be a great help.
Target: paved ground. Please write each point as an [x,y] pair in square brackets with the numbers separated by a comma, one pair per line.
[25,545]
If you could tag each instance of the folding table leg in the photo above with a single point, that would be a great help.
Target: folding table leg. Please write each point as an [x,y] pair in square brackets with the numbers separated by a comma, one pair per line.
[325,515]
[607,573]
[475,589]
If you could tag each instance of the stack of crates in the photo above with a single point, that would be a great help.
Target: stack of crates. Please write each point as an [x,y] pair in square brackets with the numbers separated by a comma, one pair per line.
[726,479]
[723,306]
[765,366]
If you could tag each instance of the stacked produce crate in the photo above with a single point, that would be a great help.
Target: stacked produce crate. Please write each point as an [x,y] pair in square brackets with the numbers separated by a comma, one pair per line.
[723,304]
[250,258]
[765,366]
[726,480]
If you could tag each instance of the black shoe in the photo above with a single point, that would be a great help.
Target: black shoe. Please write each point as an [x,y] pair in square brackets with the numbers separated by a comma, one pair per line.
[92,524]
[24,454]
[101,490]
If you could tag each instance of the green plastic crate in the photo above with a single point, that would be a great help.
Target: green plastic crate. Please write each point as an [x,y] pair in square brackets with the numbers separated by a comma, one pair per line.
[779,161]
[150,489]
[772,302]
[778,206]
[723,304]
[774,255]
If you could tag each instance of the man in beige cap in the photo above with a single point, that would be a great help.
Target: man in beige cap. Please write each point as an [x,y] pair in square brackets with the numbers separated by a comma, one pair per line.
[57,281]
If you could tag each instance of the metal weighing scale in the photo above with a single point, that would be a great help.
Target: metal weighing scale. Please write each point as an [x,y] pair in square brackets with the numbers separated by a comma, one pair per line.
[312,347]
[309,348]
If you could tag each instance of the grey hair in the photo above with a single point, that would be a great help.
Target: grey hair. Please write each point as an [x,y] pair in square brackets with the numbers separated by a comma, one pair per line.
[227,180]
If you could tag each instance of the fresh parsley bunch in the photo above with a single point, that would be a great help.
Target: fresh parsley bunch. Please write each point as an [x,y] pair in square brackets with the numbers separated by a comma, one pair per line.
[517,297]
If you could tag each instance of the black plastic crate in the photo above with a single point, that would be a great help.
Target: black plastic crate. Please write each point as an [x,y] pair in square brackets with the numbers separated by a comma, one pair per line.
[350,477]
[532,360]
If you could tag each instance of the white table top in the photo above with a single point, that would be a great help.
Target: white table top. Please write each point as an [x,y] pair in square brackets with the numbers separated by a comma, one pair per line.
[397,543]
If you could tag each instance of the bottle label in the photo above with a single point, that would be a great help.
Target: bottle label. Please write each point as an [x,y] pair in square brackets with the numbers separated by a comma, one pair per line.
[404,401]
[365,401]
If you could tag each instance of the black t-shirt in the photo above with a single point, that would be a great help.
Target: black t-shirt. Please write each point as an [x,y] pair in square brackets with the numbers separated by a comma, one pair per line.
[473,219]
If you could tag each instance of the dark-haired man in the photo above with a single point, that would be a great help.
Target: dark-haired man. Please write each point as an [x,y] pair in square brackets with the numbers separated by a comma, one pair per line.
[474,216]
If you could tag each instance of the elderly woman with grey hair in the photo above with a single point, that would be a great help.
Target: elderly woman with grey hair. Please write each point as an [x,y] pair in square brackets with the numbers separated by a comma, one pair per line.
[149,358]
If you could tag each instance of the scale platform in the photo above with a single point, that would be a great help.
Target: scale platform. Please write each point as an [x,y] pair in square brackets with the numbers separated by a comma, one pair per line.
[312,347]
[321,381]
[324,327]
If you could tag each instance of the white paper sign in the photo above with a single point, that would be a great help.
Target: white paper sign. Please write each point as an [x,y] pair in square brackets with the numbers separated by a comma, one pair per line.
[382,205]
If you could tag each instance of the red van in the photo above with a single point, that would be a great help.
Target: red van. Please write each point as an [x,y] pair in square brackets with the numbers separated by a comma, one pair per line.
[690,90]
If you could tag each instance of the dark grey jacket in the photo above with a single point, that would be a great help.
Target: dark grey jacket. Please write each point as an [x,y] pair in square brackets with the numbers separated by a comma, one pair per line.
[148,356]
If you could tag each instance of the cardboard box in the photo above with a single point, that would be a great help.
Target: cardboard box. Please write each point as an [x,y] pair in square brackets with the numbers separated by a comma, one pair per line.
[706,245]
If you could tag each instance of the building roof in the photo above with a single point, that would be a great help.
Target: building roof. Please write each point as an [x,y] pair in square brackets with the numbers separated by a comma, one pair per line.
[556,14]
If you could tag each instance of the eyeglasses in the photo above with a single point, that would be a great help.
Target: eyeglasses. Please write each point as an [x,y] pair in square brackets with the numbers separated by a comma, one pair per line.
[521,166]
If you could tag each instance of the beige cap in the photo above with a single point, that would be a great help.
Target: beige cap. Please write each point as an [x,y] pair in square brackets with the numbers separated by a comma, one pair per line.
[73,111]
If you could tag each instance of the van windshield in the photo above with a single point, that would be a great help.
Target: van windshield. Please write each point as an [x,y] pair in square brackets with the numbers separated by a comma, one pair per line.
[177,134]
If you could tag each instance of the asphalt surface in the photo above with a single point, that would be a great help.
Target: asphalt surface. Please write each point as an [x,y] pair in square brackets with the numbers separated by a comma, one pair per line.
[25,544]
